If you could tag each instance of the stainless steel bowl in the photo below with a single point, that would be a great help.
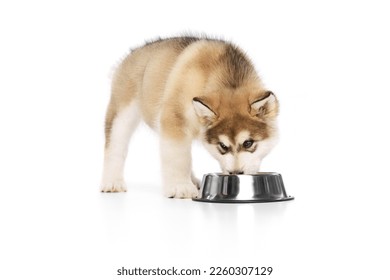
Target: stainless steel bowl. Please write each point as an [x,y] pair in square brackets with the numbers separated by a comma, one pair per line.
[259,187]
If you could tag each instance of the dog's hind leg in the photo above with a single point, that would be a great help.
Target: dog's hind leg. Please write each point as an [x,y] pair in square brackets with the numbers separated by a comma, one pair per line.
[122,118]
[119,128]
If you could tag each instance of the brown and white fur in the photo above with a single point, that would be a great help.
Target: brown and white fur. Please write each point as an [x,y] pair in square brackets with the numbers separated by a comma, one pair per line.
[188,88]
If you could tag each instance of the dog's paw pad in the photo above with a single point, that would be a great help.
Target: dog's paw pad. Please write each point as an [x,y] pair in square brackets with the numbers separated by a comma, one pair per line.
[115,186]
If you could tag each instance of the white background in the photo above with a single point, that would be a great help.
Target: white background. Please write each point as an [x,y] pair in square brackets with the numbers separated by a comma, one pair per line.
[327,62]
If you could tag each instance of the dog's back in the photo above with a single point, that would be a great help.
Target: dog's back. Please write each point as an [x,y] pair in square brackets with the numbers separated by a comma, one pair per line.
[144,72]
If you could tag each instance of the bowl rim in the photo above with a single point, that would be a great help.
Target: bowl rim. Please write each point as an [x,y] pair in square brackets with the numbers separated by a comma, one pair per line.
[232,201]
[221,174]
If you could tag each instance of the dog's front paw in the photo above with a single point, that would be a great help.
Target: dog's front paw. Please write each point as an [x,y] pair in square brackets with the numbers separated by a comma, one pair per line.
[113,186]
[180,190]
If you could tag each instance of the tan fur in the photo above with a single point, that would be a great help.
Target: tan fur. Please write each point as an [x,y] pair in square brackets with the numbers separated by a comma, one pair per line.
[165,76]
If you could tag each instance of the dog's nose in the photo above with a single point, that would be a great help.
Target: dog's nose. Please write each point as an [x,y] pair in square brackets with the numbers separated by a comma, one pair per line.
[236,172]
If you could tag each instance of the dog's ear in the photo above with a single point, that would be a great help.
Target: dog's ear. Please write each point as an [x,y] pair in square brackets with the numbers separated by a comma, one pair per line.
[265,105]
[203,109]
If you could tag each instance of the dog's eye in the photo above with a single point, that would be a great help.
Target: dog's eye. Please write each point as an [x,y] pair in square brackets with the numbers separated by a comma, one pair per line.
[223,146]
[247,144]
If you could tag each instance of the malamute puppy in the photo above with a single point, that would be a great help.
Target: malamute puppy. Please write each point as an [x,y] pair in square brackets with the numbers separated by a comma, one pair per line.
[189,88]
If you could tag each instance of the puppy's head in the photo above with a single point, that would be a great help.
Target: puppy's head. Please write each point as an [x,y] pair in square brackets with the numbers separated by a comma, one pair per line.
[238,130]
